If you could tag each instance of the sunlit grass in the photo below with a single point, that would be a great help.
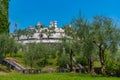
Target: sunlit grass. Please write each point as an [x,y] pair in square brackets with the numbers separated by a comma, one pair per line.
[54,76]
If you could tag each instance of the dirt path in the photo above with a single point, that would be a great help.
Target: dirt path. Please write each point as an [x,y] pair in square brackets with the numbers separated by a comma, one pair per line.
[3,73]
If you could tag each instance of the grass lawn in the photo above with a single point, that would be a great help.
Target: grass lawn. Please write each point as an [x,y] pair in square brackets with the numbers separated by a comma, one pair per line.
[54,76]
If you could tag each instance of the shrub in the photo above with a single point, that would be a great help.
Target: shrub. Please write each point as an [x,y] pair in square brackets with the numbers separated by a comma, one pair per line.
[82,61]
[63,61]
[112,68]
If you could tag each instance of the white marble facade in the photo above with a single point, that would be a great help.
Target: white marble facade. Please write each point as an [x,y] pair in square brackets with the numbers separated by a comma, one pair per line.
[53,38]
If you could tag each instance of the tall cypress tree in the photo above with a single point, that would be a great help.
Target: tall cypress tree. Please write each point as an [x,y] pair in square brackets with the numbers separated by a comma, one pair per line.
[4,24]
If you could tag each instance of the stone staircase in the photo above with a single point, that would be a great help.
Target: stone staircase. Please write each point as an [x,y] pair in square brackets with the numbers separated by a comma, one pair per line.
[13,65]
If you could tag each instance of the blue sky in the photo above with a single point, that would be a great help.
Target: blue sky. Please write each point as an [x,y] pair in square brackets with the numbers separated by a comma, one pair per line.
[29,12]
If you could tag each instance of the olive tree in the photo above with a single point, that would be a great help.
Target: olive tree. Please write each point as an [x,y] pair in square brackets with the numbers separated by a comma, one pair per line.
[37,54]
[7,45]
[84,40]
[68,43]
[105,36]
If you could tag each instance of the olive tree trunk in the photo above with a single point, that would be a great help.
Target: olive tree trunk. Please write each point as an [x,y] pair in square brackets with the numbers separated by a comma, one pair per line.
[102,60]
[90,65]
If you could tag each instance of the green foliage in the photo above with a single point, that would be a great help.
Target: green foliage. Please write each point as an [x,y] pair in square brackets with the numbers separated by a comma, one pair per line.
[38,54]
[95,37]
[7,45]
[82,60]
[30,32]
[63,61]
[27,32]
[4,24]
[1,58]
[105,36]
[4,68]
[79,39]
[18,33]
[112,65]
